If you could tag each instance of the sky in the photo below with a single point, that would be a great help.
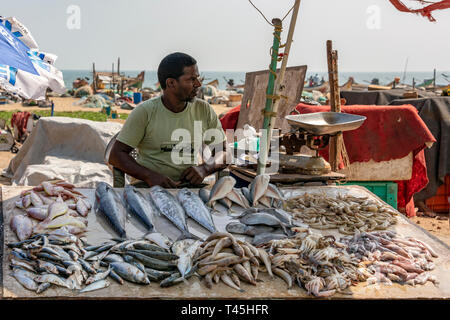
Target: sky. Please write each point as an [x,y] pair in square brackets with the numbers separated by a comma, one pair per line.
[231,35]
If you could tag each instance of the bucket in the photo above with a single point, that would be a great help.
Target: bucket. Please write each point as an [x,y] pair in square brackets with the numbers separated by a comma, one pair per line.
[137,97]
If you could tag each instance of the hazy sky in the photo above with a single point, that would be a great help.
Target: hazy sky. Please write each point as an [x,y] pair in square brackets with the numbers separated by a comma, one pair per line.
[230,35]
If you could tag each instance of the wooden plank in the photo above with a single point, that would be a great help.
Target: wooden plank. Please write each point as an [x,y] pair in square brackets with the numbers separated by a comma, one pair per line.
[253,101]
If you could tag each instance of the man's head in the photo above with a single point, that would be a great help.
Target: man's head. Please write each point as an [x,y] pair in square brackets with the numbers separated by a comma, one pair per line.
[178,75]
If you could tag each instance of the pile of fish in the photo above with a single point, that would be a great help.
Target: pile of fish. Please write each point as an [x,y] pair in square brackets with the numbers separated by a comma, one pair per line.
[319,264]
[346,213]
[263,224]
[49,206]
[224,258]
[260,191]
[391,257]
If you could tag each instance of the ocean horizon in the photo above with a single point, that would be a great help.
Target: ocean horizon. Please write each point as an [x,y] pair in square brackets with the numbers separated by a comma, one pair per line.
[151,78]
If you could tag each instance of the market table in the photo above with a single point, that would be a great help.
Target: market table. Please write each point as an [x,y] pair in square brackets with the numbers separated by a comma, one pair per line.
[194,288]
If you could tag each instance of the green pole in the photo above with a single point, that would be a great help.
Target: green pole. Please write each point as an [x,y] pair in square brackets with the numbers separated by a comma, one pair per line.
[263,152]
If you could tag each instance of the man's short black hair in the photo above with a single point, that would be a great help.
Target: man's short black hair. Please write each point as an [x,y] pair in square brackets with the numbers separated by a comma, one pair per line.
[172,66]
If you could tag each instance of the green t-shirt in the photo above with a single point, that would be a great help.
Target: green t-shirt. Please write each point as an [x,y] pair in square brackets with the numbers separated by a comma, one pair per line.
[169,142]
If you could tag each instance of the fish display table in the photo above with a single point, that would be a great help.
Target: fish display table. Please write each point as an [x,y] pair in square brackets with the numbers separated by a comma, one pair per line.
[194,288]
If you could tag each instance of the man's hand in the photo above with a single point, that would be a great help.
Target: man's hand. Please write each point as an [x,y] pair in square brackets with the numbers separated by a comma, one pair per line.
[194,175]
[161,180]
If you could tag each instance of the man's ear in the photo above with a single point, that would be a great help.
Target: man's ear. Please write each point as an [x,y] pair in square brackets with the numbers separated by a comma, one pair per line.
[170,83]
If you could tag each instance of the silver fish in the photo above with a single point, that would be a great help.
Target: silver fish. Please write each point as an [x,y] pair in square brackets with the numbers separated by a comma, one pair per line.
[98,276]
[25,278]
[110,206]
[185,250]
[204,195]
[260,218]
[53,279]
[246,192]
[129,272]
[240,228]
[258,187]
[170,208]
[139,206]
[100,284]
[266,237]
[221,188]
[196,209]
[237,197]
[22,226]
[160,239]
[272,191]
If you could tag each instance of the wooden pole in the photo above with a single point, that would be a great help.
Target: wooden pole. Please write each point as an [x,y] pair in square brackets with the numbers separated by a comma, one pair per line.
[434,80]
[335,103]
[94,82]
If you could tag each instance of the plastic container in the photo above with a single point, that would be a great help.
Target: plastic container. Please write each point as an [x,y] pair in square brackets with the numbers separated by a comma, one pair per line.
[385,190]
[137,97]
[440,202]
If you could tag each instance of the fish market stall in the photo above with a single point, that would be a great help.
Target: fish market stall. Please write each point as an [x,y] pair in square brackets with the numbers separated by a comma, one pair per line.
[266,287]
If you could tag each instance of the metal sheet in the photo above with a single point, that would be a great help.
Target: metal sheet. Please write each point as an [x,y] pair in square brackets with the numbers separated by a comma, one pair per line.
[195,289]
[321,123]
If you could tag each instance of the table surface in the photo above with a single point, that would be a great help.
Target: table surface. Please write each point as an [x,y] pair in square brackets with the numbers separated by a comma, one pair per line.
[195,289]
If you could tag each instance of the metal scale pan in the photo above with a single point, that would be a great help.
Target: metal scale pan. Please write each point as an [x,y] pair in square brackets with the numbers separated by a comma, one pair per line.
[321,123]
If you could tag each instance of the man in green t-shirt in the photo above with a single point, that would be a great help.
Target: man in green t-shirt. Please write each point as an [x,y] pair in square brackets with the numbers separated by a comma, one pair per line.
[171,130]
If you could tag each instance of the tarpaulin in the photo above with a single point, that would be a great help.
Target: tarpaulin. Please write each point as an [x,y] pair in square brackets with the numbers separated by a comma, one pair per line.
[389,132]
[425,11]
[230,119]
[20,120]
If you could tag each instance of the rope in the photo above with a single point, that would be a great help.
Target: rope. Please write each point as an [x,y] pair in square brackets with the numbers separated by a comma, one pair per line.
[265,16]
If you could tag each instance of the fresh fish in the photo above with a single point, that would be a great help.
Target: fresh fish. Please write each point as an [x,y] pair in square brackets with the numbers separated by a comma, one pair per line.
[157,275]
[53,279]
[25,278]
[204,195]
[265,201]
[26,201]
[240,228]
[56,209]
[272,191]
[170,208]
[160,239]
[100,284]
[109,205]
[47,266]
[237,197]
[260,218]
[22,226]
[138,206]
[36,201]
[64,220]
[221,188]
[83,207]
[152,262]
[98,276]
[129,272]
[144,245]
[161,255]
[266,237]
[196,209]
[38,213]
[246,192]
[43,286]
[185,250]
[116,277]
[176,278]
[258,187]
[112,257]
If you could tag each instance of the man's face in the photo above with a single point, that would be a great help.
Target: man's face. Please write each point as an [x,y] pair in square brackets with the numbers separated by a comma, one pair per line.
[188,84]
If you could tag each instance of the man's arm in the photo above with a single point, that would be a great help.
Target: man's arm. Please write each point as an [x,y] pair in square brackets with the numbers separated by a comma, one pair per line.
[120,158]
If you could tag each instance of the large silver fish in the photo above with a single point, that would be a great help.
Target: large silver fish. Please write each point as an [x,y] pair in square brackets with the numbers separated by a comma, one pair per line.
[138,206]
[196,209]
[221,188]
[109,204]
[240,228]
[170,208]
[258,187]
[185,250]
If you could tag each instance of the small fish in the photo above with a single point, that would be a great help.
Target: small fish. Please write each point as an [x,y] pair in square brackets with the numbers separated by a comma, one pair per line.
[26,201]
[57,209]
[25,278]
[160,239]
[129,272]
[53,279]
[116,277]
[229,282]
[38,213]
[22,226]
[100,284]
[258,187]
[220,189]
[83,207]
[246,192]
[43,286]
[98,276]
[272,191]
[283,275]
[185,250]
[36,201]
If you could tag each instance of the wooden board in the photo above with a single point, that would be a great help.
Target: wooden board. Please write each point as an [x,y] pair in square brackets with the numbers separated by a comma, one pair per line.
[195,289]
[254,99]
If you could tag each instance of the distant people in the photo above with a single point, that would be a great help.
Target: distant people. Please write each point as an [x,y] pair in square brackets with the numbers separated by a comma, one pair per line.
[322,80]
[316,79]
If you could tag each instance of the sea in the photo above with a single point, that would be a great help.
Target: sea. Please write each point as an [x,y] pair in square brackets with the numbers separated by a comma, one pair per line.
[151,78]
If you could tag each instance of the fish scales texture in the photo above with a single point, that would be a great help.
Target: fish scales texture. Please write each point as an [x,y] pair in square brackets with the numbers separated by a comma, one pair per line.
[168,206]
[196,209]
[221,188]
[110,205]
[138,206]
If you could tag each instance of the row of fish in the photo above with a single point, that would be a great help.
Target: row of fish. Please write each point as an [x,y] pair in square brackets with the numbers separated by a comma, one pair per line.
[391,257]
[346,213]
[259,191]
[49,206]
[222,257]
[63,260]
[263,224]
